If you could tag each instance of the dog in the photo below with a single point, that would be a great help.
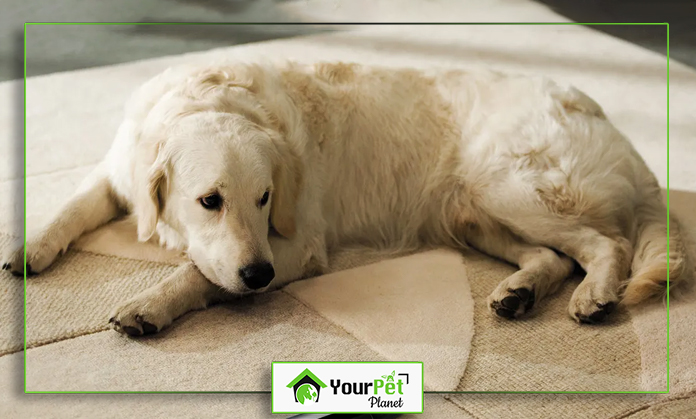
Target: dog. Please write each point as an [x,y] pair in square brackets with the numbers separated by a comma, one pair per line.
[258,171]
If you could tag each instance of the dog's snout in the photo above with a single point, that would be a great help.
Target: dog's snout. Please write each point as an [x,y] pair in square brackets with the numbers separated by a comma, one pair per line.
[257,275]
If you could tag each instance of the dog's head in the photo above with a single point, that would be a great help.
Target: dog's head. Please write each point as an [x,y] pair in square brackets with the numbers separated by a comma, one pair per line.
[219,173]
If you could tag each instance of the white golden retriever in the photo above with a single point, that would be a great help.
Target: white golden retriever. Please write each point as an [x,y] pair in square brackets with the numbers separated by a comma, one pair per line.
[257,171]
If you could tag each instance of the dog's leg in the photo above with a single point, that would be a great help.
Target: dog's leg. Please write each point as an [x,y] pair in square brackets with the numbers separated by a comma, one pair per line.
[155,308]
[187,289]
[92,205]
[606,261]
[541,270]
[296,258]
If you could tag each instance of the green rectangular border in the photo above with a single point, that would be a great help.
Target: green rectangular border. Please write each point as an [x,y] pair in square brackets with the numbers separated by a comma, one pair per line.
[328,24]
[350,362]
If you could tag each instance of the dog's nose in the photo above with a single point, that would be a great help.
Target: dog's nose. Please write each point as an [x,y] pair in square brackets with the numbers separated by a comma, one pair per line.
[257,275]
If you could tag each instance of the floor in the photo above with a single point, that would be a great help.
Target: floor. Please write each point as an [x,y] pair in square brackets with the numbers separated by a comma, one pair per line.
[680,14]
[53,48]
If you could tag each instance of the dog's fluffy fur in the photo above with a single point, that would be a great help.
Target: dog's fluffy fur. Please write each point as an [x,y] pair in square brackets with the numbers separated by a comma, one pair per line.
[520,168]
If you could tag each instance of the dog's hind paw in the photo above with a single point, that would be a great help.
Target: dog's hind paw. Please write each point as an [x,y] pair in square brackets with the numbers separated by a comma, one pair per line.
[592,302]
[511,303]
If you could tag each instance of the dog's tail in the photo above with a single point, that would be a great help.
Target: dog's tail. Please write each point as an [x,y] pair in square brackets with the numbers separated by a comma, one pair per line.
[652,262]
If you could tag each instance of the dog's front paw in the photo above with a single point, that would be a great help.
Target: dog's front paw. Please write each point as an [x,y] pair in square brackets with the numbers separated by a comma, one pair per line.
[145,314]
[14,262]
[40,255]
[592,302]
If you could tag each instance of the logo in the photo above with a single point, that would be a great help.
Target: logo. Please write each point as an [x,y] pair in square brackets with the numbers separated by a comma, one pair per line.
[306,387]
[378,388]
[347,387]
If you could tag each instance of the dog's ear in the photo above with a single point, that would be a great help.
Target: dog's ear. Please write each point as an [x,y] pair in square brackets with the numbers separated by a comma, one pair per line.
[149,199]
[287,181]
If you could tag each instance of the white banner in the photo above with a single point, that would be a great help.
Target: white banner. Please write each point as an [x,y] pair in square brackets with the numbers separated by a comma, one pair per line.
[347,387]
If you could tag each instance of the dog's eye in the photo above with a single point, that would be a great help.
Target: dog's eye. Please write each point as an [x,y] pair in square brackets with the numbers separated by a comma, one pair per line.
[211,202]
[264,199]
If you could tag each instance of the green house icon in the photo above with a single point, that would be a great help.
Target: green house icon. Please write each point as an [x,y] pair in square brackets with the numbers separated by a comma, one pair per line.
[306,387]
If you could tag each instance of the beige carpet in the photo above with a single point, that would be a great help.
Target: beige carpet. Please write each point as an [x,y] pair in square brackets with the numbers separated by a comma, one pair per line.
[411,308]
[71,120]
[226,348]
[679,406]
[11,307]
